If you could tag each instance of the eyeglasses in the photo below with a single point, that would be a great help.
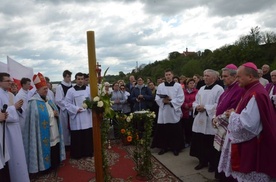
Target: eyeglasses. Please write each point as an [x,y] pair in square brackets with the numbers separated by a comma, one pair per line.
[122,88]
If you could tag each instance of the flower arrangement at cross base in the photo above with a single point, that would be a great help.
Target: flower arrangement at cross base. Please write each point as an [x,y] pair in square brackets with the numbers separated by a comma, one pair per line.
[125,127]
[142,123]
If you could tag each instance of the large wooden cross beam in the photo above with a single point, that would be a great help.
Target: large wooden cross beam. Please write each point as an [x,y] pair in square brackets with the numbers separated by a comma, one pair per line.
[96,119]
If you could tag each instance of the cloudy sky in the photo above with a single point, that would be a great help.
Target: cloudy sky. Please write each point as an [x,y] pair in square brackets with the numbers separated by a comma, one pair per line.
[50,35]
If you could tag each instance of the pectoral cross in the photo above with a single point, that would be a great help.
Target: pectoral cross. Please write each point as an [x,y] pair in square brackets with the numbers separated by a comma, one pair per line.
[41,106]
[44,124]
[45,141]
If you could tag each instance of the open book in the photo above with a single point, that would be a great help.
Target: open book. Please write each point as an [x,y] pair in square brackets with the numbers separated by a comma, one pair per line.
[162,95]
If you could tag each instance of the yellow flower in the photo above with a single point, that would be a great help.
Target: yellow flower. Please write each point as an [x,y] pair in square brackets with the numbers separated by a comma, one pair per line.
[129,138]
[96,99]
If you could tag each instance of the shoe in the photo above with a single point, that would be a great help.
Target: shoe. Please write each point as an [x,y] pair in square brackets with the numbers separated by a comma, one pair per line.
[200,166]
[211,169]
[175,152]
[162,151]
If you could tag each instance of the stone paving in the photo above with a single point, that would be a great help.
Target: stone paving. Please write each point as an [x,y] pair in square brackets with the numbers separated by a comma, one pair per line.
[183,166]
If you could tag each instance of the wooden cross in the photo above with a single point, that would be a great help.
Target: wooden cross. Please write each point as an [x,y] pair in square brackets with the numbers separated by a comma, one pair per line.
[94,92]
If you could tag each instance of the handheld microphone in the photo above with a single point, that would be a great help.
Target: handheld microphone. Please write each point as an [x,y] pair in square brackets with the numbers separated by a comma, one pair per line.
[5,106]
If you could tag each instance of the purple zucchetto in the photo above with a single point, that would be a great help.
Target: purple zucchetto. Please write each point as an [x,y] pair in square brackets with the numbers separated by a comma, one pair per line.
[250,65]
[231,66]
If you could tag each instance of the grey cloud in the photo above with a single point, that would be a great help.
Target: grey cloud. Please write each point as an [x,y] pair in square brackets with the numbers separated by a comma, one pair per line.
[168,7]
[227,23]
[238,7]
[268,19]
[15,8]
[42,54]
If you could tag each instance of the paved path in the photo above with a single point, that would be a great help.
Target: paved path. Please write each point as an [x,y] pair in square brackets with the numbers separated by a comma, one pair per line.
[183,166]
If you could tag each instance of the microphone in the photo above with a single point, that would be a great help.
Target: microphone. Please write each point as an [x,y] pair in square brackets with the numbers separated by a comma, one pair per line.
[5,106]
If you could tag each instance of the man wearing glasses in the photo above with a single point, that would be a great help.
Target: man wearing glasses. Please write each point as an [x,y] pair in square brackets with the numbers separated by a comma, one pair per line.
[12,141]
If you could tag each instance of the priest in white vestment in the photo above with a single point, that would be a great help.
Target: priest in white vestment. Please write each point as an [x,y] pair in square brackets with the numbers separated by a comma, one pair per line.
[204,111]
[80,119]
[23,94]
[14,144]
[43,139]
[61,91]
[168,134]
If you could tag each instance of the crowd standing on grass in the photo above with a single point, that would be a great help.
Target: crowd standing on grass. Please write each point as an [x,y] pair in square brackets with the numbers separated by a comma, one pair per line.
[227,121]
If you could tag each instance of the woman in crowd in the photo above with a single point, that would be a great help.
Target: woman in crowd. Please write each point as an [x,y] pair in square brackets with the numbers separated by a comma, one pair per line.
[187,110]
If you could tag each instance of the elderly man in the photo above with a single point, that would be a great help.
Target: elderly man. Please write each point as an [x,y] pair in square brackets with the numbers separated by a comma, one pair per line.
[43,139]
[204,108]
[249,150]
[262,80]
[271,88]
[229,99]
[266,73]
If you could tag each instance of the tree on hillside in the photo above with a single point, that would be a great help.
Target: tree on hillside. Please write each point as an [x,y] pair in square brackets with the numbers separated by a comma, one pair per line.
[173,55]
[122,75]
[268,38]
[256,46]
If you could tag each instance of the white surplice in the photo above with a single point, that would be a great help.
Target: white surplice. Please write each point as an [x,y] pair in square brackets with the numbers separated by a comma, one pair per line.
[63,113]
[74,98]
[14,143]
[242,127]
[22,94]
[203,120]
[167,113]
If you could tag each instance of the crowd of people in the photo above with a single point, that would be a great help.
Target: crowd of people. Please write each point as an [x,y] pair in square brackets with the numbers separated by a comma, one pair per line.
[227,120]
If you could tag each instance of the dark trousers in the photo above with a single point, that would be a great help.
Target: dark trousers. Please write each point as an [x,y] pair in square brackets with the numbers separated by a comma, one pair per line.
[202,148]
[5,174]
[187,129]
[55,156]
[81,143]
[116,126]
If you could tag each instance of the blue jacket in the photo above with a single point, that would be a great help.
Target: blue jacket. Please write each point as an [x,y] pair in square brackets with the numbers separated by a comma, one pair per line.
[142,104]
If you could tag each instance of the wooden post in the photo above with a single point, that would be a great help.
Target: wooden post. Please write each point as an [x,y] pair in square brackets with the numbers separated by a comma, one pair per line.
[96,120]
